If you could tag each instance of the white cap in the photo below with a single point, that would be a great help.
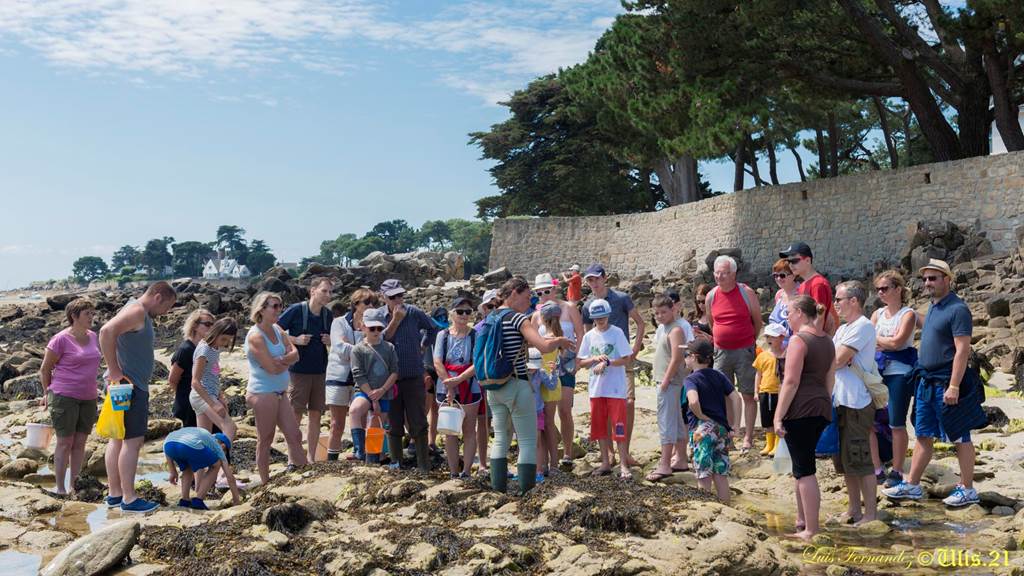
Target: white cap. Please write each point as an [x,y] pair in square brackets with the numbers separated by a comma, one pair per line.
[534,362]
[543,281]
[774,329]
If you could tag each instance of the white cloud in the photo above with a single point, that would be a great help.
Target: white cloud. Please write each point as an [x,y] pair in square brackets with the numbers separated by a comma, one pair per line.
[495,45]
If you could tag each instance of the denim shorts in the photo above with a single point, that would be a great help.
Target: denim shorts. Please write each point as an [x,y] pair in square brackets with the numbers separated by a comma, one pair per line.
[901,390]
[928,418]
[385,405]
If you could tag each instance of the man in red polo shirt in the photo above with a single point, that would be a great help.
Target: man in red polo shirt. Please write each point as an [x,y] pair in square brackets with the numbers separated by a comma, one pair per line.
[801,260]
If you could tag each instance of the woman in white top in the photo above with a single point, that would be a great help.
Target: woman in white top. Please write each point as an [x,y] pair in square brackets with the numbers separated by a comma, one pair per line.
[572,328]
[894,325]
[346,332]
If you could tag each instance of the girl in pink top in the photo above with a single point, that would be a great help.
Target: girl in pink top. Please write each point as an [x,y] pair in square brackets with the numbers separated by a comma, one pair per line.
[68,376]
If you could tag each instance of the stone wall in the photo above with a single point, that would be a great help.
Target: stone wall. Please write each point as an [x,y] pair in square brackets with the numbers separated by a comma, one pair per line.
[851,223]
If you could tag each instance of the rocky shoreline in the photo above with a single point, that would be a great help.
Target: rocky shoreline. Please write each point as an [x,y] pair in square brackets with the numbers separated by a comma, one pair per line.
[343,518]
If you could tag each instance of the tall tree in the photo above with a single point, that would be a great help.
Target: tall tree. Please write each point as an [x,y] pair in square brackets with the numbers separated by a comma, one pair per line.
[435,235]
[156,256]
[89,268]
[552,160]
[125,256]
[231,238]
[396,236]
[259,258]
[189,257]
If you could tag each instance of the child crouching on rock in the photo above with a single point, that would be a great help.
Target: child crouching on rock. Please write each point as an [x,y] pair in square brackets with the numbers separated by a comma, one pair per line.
[767,381]
[712,410]
[605,351]
[193,450]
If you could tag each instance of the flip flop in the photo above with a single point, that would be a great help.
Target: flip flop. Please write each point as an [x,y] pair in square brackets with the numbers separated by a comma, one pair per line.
[656,477]
[687,469]
[600,472]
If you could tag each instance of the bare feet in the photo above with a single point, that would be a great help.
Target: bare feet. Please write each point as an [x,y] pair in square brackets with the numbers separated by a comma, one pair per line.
[864,520]
[630,461]
[804,535]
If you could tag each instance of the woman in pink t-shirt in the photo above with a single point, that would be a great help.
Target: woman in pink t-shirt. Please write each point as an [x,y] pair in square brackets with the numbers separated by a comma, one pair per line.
[68,376]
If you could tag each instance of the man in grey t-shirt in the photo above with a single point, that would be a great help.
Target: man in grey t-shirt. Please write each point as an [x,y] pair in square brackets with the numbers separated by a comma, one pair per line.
[127,345]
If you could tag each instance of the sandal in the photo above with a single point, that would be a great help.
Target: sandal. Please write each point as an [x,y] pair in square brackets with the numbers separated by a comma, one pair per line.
[656,476]
[601,472]
[687,469]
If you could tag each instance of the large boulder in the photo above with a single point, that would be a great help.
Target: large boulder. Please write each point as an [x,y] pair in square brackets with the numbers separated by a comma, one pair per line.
[95,553]
[61,301]
[18,468]
[997,306]
[22,388]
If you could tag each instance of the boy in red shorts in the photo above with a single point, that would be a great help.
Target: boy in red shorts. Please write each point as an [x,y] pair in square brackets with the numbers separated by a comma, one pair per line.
[605,351]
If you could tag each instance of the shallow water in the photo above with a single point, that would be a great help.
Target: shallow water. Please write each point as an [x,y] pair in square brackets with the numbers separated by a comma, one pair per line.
[923,540]
[17,563]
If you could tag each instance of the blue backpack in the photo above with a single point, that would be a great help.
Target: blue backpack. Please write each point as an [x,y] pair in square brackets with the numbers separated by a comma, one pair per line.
[493,369]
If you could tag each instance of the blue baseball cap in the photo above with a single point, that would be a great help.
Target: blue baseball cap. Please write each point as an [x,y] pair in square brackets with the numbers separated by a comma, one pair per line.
[600,308]
[594,270]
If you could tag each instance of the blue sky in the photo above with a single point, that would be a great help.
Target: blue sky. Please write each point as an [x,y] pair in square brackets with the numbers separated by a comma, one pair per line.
[298,120]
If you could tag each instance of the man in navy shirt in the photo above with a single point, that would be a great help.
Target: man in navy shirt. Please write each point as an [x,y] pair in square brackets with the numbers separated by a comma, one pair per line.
[945,349]
[308,325]
[407,410]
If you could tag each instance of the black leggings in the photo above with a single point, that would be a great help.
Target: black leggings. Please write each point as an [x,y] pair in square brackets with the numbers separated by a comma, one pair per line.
[767,403]
[802,436]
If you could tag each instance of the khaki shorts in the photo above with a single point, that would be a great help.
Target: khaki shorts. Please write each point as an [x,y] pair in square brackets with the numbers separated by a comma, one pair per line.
[70,415]
[308,392]
[855,426]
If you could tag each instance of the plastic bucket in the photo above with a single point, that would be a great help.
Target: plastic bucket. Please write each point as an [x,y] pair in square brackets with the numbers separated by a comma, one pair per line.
[782,463]
[374,437]
[321,446]
[120,396]
[449,420]
[39,435]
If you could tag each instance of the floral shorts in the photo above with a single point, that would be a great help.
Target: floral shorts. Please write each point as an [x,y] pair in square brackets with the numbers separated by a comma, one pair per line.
[709,447]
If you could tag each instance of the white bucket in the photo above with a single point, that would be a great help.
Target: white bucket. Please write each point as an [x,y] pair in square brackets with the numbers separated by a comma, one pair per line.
[449,420]
[120,396]
[38,436]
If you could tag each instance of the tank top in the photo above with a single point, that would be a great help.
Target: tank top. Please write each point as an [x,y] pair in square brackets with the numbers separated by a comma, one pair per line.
[886,326]
[812,397]
[135,352]
[261,381]
[733,327]
[663,356]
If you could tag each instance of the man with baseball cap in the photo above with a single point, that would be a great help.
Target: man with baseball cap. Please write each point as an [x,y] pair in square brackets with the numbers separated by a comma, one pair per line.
[622,311]
[946,387]
[407,409]
[801,261]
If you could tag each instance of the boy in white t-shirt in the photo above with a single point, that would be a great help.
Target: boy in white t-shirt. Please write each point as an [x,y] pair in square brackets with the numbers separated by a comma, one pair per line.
[605,351]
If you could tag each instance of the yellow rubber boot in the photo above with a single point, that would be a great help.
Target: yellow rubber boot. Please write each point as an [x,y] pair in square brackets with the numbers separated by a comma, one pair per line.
[769,443]
[775,444]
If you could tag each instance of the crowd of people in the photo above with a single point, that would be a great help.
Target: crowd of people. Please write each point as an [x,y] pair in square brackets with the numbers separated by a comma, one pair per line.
[828,380]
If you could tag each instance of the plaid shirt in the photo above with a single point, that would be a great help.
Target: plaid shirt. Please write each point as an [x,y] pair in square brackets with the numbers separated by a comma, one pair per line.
[408,338]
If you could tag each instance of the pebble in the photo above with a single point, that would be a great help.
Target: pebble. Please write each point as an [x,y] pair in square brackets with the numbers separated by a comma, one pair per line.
[1003,511]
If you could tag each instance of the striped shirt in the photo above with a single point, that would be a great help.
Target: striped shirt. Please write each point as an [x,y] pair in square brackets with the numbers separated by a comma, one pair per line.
[512,343]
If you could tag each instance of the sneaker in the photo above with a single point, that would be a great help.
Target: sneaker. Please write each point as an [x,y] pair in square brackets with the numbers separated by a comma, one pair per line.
[182,503]
[141,506]
[880,477]
[198,504]
[394,466]
[540,478]
[904,490]
[113,501]
[893,478]
[961,497]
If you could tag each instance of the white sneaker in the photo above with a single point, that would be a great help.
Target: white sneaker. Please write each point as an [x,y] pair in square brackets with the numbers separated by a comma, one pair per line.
[904,491]
[961,497]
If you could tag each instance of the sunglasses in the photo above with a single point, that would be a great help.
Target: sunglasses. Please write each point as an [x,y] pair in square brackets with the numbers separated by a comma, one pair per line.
[883,289]
[779,275]
[396,296]
[544,292]
[489,306]
[794,260]
[463,311]
[373,328]
[274,306]
[931,278]
[205,323]
[368,302]
[687,353]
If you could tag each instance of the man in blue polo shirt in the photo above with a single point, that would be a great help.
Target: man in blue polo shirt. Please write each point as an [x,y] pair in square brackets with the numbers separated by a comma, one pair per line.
[405,323]
[942,368]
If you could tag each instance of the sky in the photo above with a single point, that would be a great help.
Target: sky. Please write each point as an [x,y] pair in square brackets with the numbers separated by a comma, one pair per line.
[298,120]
